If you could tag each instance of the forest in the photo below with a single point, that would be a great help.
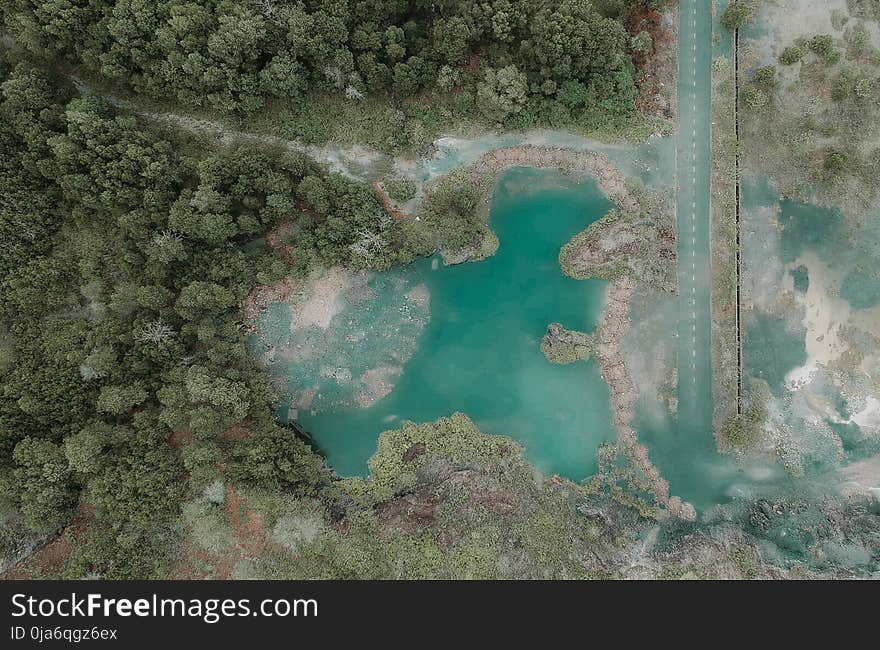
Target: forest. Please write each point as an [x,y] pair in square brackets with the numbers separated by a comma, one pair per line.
[513,62]
[127,249]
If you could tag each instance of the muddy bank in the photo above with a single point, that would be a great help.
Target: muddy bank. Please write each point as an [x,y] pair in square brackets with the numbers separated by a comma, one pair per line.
[567,161]
[316,299]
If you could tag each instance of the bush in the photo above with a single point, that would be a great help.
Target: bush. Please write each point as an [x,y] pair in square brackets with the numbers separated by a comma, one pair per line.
[791,55]
[835,162]
[766,76]
[642,42]
[753,97]
[823,46]
[863,88]
[841,88]
[400,189]
[738,14]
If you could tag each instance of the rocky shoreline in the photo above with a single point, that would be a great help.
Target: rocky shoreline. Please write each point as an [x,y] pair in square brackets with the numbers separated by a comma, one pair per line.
[612,328]
[567,161]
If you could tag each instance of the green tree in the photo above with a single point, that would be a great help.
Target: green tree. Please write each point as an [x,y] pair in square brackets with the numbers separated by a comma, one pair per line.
[199,299]
[502,92]
[737,14]
[42,474]
[119,400]
[791,55]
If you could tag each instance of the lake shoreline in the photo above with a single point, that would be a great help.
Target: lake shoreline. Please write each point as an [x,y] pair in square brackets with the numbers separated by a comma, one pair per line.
[614,318]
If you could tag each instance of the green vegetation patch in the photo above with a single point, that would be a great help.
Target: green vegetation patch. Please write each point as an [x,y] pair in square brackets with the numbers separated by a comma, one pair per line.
[564,346]
[390,74]
[400,189]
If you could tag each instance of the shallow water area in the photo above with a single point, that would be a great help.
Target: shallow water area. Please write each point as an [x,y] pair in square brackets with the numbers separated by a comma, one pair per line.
[812,323]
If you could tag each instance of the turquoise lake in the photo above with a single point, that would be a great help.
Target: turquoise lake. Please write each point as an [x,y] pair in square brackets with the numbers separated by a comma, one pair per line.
[479,349]
[471,343]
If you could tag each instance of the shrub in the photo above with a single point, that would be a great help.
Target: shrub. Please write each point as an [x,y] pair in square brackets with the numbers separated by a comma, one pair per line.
[753,97]
[835,162]
[642,42]
[791,55]
[823,46]
[841,88]
[863,88]
[738,14]
[766,76]
[400,189]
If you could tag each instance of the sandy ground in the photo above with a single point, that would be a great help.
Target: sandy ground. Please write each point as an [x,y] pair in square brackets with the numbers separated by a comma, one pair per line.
[320,299]
[824,315]
[794,18]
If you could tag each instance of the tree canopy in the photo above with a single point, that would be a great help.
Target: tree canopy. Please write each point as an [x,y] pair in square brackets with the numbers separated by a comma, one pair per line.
[237,55]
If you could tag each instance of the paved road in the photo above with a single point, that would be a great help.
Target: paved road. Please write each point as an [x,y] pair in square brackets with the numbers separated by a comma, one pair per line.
[693,195]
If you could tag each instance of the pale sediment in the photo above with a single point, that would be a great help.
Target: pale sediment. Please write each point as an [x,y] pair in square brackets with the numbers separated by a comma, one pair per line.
[862,478]
[264,295]
[316,300]
[610,333]
[377,384]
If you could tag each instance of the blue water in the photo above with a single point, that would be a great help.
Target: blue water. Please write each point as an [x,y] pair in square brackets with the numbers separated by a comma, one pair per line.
[480,351]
